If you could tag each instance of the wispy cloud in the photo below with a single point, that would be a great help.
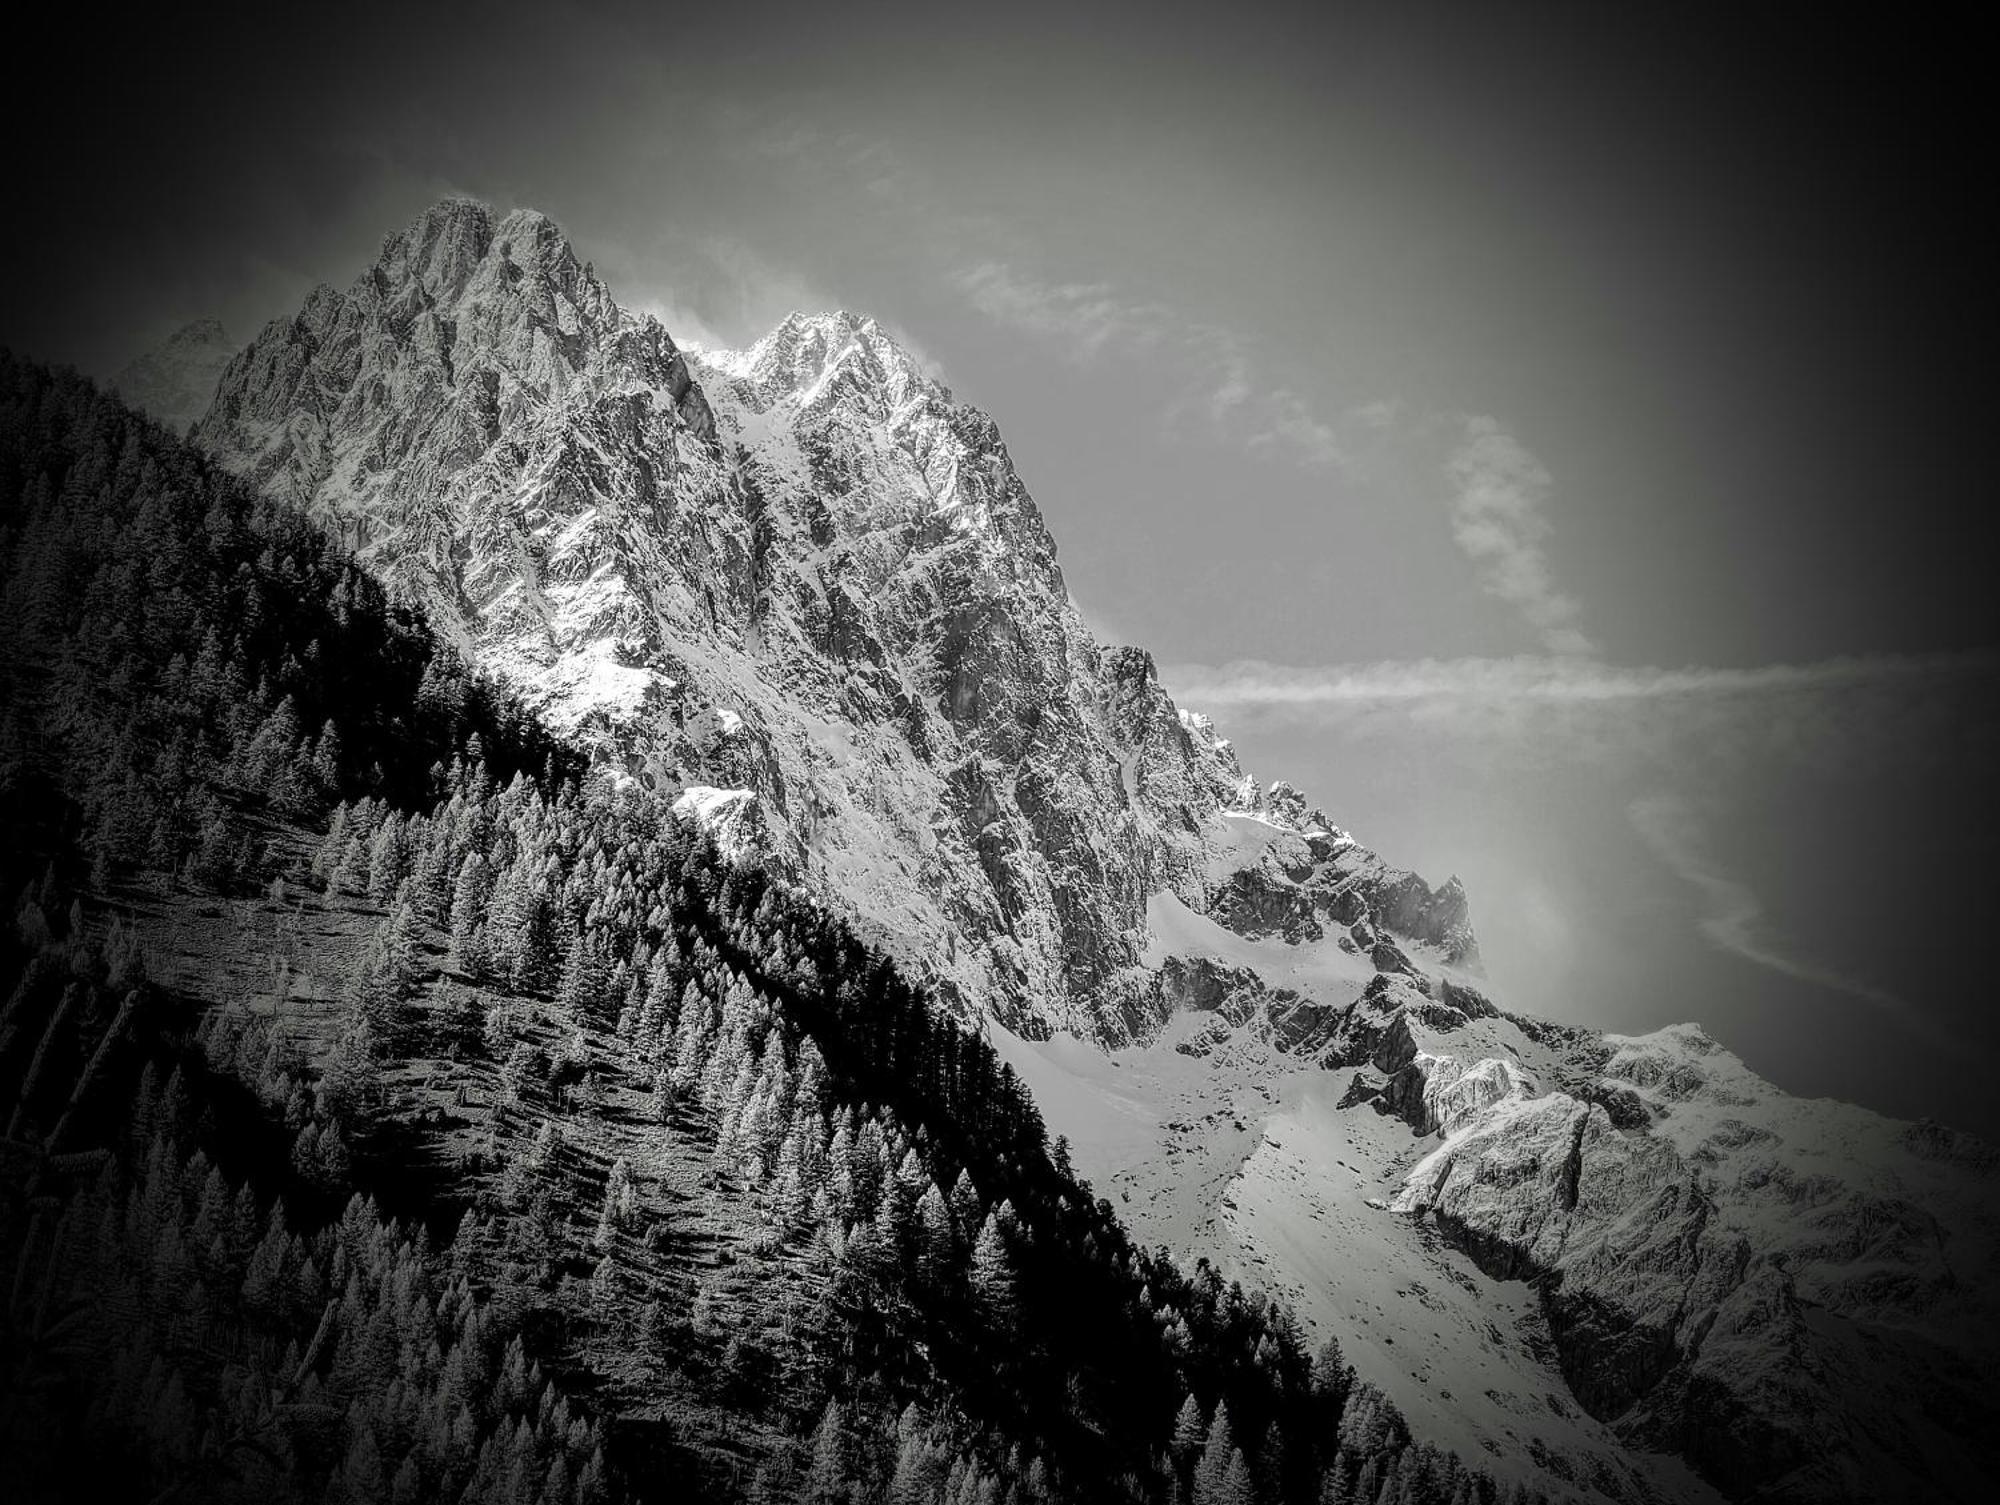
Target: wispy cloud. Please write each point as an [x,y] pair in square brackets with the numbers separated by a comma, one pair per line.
[1878,710]
[1227,386]
[1224,389]
[1083,317]
[1733,915]
[1499,517]
[1231,390]
[928,363]
[1553,680]
[989,262]
[1288,424]
[870,161]
[689,328]
[1531,729]
[790,139]
[1498,492]
[713,291]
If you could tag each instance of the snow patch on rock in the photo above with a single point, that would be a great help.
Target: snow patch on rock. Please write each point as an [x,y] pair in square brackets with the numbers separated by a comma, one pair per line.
[729,817]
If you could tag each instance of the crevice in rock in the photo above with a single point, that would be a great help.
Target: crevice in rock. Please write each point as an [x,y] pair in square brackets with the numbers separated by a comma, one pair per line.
[1572,1171]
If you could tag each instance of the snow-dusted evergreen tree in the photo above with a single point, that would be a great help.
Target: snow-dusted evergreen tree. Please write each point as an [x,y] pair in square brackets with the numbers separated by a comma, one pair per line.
[992,1268]
[1190,1431]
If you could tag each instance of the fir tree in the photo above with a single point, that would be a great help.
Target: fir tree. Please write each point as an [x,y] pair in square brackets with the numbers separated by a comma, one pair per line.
[1190,1431]
[1212,1472]
[992,1273]
[828,1475]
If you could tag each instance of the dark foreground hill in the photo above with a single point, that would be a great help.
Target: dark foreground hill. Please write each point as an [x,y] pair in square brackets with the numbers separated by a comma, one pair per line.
[389,1113]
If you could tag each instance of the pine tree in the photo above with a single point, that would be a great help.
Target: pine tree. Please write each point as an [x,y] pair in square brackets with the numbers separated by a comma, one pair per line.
[469,895]
[334,1163]
[387,981]
[620,1204]
[580,992]
[992,1274]
[407,1488]
[217,861]
[1211,1474]
[1367,1486]
[432,877]
[333,845]
[933,1234]
[967,1211]
[919,1467]
[591,1488]
[326,761]
[388,860]
[350,1084]
[1190,1430]
[361,1480]
[1336,1485]
[791,1191]
[1331,1381]
[273,747]
[826,1481]
[1236,1486]
[1269,1470]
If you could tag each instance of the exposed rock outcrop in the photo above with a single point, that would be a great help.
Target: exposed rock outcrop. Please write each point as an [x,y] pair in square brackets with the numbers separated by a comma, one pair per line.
[1709,1285]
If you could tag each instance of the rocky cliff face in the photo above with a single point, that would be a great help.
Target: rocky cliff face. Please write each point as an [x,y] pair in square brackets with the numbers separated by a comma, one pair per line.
[510,449]
[801,590]
[1796,1297]
[802,571]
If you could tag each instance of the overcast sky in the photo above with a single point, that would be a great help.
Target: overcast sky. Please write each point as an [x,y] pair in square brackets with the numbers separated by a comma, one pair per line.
[1547,435]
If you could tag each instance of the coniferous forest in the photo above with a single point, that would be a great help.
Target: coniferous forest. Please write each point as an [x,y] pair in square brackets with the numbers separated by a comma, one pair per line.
[397,1109]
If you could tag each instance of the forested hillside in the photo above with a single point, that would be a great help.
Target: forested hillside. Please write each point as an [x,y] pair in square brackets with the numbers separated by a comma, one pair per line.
[394,1110]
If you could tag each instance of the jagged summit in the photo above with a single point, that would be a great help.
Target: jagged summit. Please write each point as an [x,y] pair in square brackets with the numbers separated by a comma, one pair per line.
[806,351]
[441,248]
[458,412]
[834,409]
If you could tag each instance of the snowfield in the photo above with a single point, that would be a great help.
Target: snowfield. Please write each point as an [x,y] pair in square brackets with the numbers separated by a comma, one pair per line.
[1244,1157]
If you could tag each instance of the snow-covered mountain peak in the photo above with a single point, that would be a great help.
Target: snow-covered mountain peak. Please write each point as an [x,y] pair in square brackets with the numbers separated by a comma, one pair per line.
[832,407]
[808,355]
[440,249]
[502,442]
[444,247]
[509,290]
